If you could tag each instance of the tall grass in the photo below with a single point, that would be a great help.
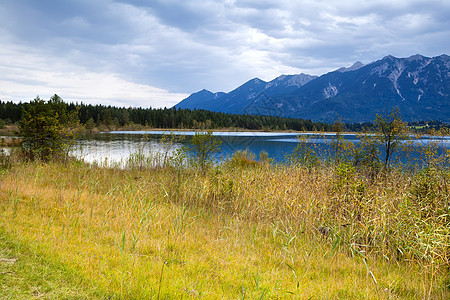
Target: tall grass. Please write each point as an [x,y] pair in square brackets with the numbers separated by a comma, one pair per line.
[243,229]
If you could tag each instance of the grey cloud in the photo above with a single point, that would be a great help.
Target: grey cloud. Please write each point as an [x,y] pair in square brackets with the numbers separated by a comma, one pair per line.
[184,46]
[41,21]
[258,4]
[184,15]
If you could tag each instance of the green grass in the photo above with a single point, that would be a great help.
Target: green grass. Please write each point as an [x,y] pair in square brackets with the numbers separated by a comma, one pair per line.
[230,232]
[26,273]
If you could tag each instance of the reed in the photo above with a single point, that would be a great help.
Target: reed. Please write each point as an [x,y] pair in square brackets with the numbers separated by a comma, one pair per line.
[240,229]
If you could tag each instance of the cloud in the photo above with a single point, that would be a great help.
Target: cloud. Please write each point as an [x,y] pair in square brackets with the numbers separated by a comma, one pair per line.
[171,48]
[25,77]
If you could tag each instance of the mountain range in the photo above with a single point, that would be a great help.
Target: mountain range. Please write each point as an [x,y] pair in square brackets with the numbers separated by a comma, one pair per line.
[419,86]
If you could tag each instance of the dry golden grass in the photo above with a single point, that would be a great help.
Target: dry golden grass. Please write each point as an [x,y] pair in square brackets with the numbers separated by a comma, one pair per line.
[232,232]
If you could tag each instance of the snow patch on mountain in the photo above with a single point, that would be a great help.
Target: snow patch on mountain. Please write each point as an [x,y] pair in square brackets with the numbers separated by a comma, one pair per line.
[330,91]
[395,74]
[420,96]
[252,96]
[414,76]
[218,95]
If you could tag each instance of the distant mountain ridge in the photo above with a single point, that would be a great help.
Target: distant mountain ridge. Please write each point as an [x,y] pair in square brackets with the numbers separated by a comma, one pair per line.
[419,86]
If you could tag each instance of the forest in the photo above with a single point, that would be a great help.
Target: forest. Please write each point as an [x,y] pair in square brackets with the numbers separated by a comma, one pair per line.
[107,117]
[111,117]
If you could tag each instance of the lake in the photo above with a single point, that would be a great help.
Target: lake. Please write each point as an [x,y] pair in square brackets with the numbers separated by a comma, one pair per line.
[115,147]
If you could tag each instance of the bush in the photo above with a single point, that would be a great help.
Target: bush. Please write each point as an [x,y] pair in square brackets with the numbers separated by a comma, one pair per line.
[304,154]
[42,130]
[202,148]
[243,158]
[391,131]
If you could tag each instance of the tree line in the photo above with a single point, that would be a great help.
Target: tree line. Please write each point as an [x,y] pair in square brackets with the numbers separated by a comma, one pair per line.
[166,118]
[111,117]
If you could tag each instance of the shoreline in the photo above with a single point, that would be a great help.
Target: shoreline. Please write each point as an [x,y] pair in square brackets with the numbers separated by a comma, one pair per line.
[12,130]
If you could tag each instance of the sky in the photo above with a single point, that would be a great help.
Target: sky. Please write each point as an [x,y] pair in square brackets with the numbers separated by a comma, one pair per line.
[154,53]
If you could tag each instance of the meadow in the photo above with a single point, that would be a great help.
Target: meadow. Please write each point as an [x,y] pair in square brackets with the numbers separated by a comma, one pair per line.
[244,229]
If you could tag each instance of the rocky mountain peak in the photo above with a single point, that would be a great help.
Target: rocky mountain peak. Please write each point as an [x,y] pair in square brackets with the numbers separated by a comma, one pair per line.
[419,86]
[357,65]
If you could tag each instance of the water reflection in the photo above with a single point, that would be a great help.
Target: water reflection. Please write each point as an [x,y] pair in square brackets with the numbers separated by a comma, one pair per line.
[116,147]
[110,150]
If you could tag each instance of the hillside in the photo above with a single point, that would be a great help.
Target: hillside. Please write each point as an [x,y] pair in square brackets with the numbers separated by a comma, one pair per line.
[419,86]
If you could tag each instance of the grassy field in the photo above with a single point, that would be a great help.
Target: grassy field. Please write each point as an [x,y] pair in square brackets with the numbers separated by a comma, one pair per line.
[26,273]
[237,231]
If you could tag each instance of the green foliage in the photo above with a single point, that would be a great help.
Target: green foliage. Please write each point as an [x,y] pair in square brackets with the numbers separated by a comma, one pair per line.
[304,154]
[347,191]
[434,154]
[168,118]
[44,129]
[243,158]
[264,157]
[391,131]
[90,124]
[341,148]
[168,142]
[344,175]
[202,147]
[430,194]
[366,155]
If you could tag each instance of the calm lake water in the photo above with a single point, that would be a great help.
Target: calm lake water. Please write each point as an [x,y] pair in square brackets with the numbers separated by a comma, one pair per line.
[116,147]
